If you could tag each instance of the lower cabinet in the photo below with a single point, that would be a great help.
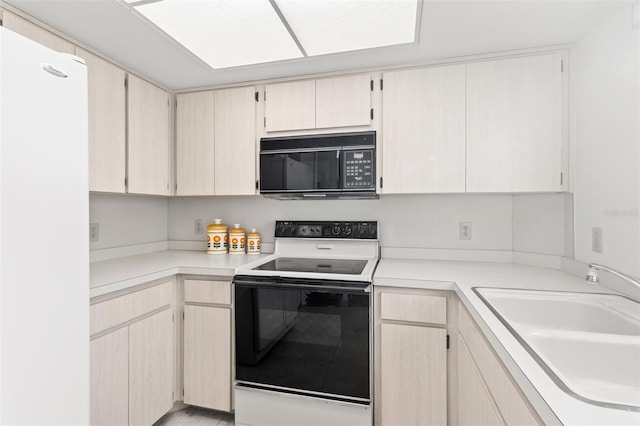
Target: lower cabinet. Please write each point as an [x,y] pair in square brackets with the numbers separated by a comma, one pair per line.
[410,357]
[487,394]
[207,344]
[132,357]
[151,368]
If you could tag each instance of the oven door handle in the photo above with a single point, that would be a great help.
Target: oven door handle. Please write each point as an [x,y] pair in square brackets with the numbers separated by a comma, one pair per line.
[256,284]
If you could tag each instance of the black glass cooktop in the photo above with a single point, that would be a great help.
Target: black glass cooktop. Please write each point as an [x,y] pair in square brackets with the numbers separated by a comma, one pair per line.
[324,266]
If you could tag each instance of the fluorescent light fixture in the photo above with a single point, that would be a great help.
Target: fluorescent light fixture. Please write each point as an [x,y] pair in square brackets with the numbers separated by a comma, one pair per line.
[331,26]
[224,33]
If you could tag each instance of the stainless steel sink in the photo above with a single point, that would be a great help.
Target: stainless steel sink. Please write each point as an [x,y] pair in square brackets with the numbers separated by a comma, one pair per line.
[589,344]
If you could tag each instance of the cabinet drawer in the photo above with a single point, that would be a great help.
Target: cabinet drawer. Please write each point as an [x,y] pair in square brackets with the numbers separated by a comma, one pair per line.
[414,308]
[207,291]
[507,396]
[116,311]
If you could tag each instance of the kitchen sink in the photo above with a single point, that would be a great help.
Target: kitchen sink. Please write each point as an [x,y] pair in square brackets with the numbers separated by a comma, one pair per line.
[588,343]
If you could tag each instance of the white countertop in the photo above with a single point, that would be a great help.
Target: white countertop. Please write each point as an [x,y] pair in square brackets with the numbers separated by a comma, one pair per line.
[551,402]
[118,274]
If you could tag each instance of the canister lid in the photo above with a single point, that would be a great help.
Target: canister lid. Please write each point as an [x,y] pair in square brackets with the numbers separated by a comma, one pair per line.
[217,225]
[253,234]
[236,229]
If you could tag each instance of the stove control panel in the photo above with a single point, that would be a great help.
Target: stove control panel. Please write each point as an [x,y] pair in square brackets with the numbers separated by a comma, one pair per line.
[326,229]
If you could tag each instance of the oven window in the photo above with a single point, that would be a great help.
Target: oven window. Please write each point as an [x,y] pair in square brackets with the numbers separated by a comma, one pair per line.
[303,339]
[300,171]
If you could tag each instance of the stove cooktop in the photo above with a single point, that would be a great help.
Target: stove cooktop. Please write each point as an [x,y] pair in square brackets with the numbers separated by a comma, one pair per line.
[325,266]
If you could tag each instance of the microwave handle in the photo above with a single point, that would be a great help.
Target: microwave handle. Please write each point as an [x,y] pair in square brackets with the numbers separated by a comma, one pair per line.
[339,168]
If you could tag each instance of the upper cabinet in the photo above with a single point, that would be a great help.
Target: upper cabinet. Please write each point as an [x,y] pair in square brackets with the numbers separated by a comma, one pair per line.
[107,142]
[216,142]
[148,128]
[423,130]
[515,140]
[35,33]
[235,141]
[195,143]
[316,104]
[290,106]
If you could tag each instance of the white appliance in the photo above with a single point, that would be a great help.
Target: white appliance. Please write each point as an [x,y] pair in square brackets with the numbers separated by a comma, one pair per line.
[44,250]
[303,327]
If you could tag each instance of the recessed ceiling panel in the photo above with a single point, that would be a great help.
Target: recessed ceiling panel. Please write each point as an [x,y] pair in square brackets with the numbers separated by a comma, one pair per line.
[331,26]
[224,33]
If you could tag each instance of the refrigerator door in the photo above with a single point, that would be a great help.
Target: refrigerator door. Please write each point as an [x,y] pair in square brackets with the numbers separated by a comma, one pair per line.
[44,250]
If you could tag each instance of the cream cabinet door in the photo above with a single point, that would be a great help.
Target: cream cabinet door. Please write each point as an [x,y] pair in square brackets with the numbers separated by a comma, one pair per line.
[110,379]
[475,405]
[235,141]
[107,144]
[207,357]
[343,101]
[195,141]
[149,138]
[290,106]
[423,130]
[413,379]
[151,368]
[35,33]
[514,125]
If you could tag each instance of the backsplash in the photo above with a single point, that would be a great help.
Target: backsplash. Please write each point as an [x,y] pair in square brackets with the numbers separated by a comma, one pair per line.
[127,220]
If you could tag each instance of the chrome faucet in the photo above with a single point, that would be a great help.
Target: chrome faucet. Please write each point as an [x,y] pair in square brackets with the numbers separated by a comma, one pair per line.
[592,275]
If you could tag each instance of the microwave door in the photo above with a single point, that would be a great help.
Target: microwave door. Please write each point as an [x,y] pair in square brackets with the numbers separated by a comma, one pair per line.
[300,171]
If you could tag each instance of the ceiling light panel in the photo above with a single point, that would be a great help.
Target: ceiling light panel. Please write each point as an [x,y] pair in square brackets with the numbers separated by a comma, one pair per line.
[331,26]
[224,33]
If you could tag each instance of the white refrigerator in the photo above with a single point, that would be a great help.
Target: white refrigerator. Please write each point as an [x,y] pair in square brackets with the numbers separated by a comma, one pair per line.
[44,250]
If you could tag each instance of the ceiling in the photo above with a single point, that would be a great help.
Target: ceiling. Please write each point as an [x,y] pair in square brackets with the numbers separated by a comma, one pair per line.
[448,29]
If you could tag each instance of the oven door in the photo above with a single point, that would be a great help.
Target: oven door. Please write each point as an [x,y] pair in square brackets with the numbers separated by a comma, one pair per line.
[309,337]
[300,171]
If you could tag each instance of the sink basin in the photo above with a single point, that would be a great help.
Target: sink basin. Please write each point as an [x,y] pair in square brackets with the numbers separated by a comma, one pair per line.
[589,344]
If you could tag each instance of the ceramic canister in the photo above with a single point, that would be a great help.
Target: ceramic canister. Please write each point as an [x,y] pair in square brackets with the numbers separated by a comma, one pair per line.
[253,242]
[217,238]
[237,240]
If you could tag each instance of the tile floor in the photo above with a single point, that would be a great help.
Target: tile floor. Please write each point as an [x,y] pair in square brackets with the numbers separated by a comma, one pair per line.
[193,416]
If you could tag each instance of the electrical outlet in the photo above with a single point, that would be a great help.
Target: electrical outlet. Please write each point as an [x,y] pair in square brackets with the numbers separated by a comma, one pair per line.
[197,226]
[94,232]
[596,240]
[465,230]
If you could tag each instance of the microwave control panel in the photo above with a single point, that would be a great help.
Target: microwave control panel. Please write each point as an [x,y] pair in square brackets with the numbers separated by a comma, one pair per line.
[359,169]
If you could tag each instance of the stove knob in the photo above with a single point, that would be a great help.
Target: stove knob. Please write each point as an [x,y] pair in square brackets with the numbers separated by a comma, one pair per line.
[363,230]
[335,230]
[280,230]
[290,231]
[347,230]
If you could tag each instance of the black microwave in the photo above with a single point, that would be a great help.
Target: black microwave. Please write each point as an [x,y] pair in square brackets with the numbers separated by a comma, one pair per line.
[341,165]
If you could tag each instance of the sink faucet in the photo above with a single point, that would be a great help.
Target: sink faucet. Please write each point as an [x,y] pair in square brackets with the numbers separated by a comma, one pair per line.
[592,275]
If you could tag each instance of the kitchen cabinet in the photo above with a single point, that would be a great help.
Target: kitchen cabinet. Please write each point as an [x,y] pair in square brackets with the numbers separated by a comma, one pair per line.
[107,139]
[132,356]
[195,138]
[515,138]
[235,141]
[290,106]
[487,394]
[216,142]
[316,104]
[110,379]
[151,368]
[343,101]
[31,31]
[423,130]
[411,357]
[207,344]
[148,129]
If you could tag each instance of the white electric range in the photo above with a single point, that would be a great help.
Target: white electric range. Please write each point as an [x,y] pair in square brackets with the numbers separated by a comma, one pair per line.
[303,327]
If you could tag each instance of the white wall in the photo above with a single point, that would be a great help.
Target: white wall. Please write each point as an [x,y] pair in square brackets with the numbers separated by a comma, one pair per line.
[425,221]
[607,142]
[128,219]
[540,222]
